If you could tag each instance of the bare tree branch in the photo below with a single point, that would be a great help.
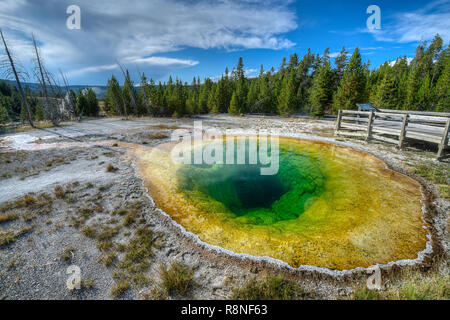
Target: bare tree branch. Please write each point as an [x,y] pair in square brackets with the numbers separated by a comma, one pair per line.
[17,75]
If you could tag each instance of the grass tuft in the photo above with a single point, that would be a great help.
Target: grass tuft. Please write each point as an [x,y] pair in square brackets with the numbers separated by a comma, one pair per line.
[434,172]
[59,192]
[119,289]
[178,280]
[111,168]
[269,288]
[7,237]
[8,216]
[434,286]
[67,254]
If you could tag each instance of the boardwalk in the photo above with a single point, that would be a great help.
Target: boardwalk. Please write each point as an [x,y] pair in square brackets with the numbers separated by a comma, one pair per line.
[396,127]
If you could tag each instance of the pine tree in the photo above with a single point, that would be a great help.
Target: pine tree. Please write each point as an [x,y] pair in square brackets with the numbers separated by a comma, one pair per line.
[401,70]
[223,92]
[113,97]
[288,96]
[82,105]
[386,96]
[3,114]
[39,112]
[412,87]
[304,79]
[213,105]
[234,106]
[322,87]
[442,96]
[192,100]
[293,63]
[203,97]
[415,76]
[91,103]
[129,95]
[252,96]
[341,63]
[424,96]
[431,55]
[240,90]
[352,86]
[266,95]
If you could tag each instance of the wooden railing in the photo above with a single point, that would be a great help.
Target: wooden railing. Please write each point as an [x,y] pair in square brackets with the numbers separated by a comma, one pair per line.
[396,127]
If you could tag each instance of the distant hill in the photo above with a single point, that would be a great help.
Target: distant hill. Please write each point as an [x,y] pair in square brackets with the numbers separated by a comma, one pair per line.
[35,87]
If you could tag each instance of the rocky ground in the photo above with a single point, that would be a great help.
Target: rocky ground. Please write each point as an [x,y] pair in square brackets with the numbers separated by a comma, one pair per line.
[70,196]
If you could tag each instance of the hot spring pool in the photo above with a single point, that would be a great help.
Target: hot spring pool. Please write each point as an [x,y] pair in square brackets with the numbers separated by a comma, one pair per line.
[328,206]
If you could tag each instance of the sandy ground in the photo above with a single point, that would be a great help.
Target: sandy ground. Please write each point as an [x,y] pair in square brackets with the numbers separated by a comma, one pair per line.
[75,157]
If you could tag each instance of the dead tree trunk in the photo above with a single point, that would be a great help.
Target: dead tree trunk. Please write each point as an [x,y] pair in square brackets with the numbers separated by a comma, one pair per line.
[127,79]
[43,83]
[19,85]
[72,103]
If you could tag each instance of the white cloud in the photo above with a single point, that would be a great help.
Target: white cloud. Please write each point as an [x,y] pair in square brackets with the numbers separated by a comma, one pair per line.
[163,61]
[136,30]
[408,61]
[334,54]
[149,61]
[419,25]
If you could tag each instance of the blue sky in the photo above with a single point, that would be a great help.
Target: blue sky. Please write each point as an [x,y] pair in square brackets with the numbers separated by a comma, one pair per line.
[201,38]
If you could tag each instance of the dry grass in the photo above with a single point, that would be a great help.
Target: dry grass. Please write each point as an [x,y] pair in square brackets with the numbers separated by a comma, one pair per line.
[41,203]
[444,190]
[157,136]
[414,286]
[178,280]
[67,254]
[87,284]
[129,219]
[119,289]
[111,168]
[8,216]
[103,233]
[134,265]
[434,172]
[60,192]
[270,288]
[9,236]
[108,259]
[154,294]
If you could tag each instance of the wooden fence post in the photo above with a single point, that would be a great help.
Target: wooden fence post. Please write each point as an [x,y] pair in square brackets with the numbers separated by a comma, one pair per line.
[444,141]
[369,126]
[338,122]
[401,139]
